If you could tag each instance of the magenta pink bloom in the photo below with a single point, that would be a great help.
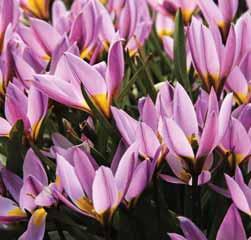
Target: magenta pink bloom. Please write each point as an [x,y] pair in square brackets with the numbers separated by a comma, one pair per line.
[180,131]
[169,7]
[206,45]
[97,191]
[102,82]
[239,191]
[221,15]
[9,15]
[36,37]
[30,109]
[231,228]
[31,194]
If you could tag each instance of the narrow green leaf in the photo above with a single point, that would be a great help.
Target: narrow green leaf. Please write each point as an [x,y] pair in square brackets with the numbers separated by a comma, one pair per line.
[180,63]
[99,115]
[14,148]
[134,78]
[148,81]
[46,161]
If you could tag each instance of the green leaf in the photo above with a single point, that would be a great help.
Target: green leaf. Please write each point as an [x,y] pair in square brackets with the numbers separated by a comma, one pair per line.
[14,148]
[46,161]
[148,81]
[99,115]
[133,79]
[180,63]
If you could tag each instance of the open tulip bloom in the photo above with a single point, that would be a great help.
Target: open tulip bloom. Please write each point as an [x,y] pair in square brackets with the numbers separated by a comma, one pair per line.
[97,191]
[101,81]
[125,119]
[30,194]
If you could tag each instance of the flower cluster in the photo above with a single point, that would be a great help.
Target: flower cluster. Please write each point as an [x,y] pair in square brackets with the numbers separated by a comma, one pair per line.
[125,119]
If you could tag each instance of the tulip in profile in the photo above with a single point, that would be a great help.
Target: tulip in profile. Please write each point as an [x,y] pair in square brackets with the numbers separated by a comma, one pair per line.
[231,228]
[212,59]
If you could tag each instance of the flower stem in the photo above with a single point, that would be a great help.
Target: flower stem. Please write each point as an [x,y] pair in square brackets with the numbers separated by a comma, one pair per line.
[196,204]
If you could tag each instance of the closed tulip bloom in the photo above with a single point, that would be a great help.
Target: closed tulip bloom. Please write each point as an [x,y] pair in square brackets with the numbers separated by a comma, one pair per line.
[221,15]
[239,191]
[164,25]
[231,228]
[169,7]
[190,149]
[32,194]
[205,44]
[85,30]
[97,191]
[30,109]
[238,81]
[9,15]
[235,144]
[36,37]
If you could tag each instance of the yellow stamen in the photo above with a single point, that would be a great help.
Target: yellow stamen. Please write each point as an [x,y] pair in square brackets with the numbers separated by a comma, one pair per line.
[185,176]
[58,181]
[86,54]
[36,129]
[103,1]
[16,212]
[38,8]
[39,216]
[221,24]
[133,52]
[186,14]
[240,98]
[85,205]
[106,45]
[239,158]
[165,32]
[46,57]
[102,101]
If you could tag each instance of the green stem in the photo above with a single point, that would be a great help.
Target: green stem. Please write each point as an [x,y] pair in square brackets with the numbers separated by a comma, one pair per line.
[156,198]
[107,232]
[149,84]
[196,205]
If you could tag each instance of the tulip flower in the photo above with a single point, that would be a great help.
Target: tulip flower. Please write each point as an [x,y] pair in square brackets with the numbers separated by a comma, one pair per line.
[169,7]
[133,22]
[60,17]
[242,113]
[235,144]
[36,37]
[30,109]
[101,82]
[85,30]
[240,88]
[9,14]
[149,115]
[31,194]
[239,191]
[181,135]
[94,35]
[164,25]
[97,191]
[140,132]
[27,63]
[205,44]
[248,3]
[221,15]
[6,58]
[36,8]
[173,105]
[231,228]
[242,34]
